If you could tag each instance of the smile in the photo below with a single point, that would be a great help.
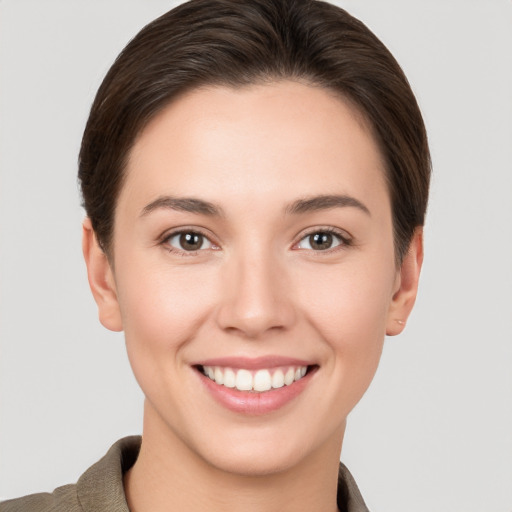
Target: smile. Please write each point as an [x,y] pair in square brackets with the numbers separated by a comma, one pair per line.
[257,381]
[255,386]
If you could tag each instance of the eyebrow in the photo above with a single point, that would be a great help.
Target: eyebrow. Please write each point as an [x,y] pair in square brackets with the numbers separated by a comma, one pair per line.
[300,206]
[325,202]
[184,204]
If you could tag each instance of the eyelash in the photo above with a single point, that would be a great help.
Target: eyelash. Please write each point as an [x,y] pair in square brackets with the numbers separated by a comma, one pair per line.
[166,239]
[343,237]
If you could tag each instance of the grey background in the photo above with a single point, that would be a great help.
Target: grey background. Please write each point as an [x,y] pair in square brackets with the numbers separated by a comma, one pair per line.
[434,432]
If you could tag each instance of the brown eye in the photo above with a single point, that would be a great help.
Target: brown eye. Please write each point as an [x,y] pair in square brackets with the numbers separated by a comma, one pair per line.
[321,241]
[189,241]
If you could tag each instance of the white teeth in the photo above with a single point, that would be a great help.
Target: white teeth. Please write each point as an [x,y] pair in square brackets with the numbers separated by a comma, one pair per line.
[219,376]
[289,376]
[278,379]
[229,378]
[260,381]
[243,380]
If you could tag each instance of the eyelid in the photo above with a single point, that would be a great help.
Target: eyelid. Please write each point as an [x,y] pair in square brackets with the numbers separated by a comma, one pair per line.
[346,239]
[167,235]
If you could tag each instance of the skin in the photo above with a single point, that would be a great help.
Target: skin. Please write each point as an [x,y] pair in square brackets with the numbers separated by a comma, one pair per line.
[257,287]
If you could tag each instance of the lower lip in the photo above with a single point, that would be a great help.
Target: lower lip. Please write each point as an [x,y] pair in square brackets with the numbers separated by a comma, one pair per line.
[254,403]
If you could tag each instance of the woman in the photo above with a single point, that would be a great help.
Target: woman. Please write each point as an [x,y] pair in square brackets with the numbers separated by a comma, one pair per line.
[255,177]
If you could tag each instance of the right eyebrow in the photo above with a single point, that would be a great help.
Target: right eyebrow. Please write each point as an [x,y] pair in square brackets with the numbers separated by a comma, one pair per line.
[183,204]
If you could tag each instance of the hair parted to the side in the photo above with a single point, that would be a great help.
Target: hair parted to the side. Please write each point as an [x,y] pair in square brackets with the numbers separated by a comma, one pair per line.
[242,42]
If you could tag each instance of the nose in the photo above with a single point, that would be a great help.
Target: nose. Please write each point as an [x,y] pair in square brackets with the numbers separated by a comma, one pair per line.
[257,297]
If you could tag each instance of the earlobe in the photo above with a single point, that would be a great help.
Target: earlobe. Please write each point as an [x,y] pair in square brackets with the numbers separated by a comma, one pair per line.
[101,279]
[407,286]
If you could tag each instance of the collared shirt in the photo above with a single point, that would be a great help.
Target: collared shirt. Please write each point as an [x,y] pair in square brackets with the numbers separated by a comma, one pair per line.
[100,488]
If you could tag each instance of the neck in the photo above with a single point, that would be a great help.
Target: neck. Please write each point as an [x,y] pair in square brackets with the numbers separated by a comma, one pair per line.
[169,476]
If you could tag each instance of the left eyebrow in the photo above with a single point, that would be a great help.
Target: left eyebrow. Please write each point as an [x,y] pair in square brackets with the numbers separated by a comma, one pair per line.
[325,202]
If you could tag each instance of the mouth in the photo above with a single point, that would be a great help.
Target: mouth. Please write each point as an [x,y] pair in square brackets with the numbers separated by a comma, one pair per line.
[256,381]
[255,386]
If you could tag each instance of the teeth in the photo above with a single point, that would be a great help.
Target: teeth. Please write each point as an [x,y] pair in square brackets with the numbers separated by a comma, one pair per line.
[243,380]
[289,376]
[219,376]
[278,379]
[229,378]
[260,381]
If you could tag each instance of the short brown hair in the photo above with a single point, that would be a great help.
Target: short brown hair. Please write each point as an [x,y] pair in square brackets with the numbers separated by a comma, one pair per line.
[242,42]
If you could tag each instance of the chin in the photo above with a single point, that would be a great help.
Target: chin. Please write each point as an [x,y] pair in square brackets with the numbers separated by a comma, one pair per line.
[257,462]
[266,452]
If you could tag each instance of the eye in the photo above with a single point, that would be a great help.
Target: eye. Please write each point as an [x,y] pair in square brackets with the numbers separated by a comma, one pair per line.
[322,240]
[188,241]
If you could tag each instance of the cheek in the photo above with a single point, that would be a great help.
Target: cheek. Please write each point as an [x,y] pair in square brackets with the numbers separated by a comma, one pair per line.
[350,300]
[162,309]
[348,307]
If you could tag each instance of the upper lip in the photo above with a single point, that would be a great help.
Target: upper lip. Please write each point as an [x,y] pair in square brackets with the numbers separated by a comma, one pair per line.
[253,363]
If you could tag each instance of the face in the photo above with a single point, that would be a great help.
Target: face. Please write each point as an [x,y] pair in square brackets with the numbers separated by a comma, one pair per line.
[253,273]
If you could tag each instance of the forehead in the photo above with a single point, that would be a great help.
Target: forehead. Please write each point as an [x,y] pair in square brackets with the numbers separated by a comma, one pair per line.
[254,141]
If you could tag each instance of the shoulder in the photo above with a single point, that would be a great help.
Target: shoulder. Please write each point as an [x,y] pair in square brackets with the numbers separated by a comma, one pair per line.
[349,498]
[62,499]
[100,488]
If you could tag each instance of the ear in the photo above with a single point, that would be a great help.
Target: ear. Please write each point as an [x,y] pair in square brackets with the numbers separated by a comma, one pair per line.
[407,286]
[101,279]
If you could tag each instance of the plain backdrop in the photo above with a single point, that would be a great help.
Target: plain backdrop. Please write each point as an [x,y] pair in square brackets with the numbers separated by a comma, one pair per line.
[434,432]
